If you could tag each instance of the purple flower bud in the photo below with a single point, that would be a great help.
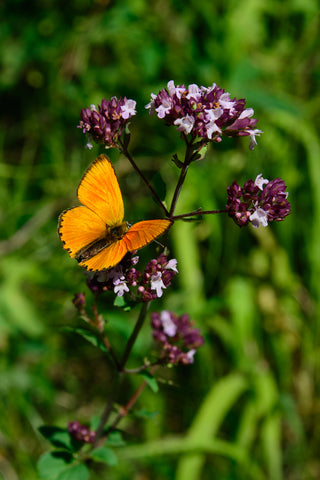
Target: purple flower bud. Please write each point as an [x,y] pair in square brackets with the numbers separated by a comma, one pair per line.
[81,433]
[106,123]
[79,301]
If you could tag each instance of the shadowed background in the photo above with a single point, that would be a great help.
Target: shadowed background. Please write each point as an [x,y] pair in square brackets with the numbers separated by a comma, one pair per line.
[254,386]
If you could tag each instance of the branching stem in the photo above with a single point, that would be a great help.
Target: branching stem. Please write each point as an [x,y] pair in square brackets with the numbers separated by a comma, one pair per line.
[125,152]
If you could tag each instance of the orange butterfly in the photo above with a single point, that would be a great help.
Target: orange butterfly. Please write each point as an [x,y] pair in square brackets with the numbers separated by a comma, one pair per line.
[95,233]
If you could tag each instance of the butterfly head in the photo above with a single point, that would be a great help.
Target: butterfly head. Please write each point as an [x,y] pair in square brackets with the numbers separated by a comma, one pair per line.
[116,232]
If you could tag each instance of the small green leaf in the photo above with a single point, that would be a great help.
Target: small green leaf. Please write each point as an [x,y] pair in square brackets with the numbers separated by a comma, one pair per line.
[94,422]
[59,437]
[104,455]
[92,337]
[51,464]
[176,161]
[145,414]
[151,381]
[119,302]
[114,440]
[124,303]
[76,472]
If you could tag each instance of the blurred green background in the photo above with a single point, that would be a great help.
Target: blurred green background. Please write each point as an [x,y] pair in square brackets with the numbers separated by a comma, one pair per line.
[249,406]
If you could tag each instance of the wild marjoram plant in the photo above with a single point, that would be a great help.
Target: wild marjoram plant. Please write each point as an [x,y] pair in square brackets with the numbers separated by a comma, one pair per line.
[97,237]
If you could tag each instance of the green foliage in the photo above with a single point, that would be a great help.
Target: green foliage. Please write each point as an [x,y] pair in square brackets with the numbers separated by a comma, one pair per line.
[248,406]
[151,381]
[91,336]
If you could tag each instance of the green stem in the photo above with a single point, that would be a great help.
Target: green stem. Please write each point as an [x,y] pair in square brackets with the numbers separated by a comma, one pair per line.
[134,334]
[107,411]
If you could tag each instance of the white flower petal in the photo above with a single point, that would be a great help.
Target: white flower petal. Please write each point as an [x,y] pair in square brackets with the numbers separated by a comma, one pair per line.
[260,181]
[259,217]
[157,284]
[185,124]
[172,265]
[169,327]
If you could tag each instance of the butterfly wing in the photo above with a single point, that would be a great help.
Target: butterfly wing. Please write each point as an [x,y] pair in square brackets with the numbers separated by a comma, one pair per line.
[142,233]
[107,258]
[78,227]
[99,191]
[100,195]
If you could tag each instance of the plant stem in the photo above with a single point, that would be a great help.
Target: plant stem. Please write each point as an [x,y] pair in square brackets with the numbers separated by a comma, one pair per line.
[124,410]
[107,410]
[177,191]
[190,155]
[99,323]
[134,334]
[198,212]
[125,152]
[120,370]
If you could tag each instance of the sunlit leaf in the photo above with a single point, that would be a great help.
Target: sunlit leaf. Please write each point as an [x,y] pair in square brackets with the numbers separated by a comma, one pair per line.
[104,455]
[151,381]
[76,472]
[51,464]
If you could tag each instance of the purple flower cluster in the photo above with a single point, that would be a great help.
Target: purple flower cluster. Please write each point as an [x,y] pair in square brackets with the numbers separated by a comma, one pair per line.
[106,123]
[257,203]
[156,277]
[148,285]
[81,432]
[205,112]
[178,337]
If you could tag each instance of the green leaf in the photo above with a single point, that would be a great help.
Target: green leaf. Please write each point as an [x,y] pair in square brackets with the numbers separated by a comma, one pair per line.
[145,414]
[151,381]
[218,402]
[92,337]
[76,472]
[104,455]
[60,438]
[94,422]
[114,440]
[51,464]
[176,161]
[122,302]
[119,302]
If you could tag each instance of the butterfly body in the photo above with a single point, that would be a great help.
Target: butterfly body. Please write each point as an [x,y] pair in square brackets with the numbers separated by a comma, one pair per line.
[95,233]
[112,234]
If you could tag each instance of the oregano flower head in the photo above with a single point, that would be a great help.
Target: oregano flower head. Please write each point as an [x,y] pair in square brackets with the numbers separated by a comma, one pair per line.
[258,202]
[205,112]
[177,336]
[105,123]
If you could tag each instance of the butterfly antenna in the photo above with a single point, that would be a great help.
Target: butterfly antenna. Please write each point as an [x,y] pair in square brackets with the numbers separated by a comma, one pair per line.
[160,244]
